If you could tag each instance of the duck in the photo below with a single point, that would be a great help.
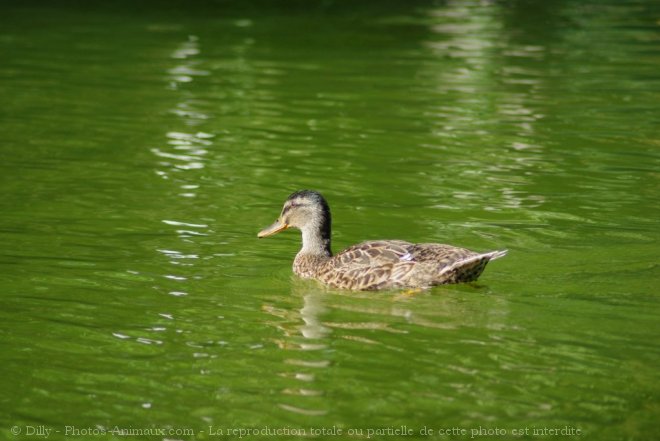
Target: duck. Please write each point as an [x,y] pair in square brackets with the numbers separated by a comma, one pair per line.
[371,265]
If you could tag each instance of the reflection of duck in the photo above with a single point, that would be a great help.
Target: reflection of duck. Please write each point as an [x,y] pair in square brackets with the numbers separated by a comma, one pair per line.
[372,265]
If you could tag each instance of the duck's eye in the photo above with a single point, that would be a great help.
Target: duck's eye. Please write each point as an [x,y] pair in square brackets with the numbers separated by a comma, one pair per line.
[295,205]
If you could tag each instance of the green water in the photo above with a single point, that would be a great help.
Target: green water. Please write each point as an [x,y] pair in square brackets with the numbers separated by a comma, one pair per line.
[143,145]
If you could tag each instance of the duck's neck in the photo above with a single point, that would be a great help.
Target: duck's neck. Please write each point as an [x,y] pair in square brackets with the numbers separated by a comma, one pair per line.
[316,239]
[314,254]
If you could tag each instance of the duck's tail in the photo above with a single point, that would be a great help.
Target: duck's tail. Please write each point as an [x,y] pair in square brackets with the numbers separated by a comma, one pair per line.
[495,254]
[468,269]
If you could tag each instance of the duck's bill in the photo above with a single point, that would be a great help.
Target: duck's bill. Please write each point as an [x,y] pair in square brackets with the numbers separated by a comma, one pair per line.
[273,229]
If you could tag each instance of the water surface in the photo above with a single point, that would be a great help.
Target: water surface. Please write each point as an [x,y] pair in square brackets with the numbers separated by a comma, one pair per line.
[143,146]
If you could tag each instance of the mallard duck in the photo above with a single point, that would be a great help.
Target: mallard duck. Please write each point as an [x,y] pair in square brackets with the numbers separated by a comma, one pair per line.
[372,265]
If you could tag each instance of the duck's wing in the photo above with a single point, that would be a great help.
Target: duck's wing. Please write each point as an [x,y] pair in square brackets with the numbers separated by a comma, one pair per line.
[374,252]
[370,265]
[440,254]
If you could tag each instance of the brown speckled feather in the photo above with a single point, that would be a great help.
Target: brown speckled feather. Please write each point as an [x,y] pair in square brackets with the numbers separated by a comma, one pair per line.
[387,264]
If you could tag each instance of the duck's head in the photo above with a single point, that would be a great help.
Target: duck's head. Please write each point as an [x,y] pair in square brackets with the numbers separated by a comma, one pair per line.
[305,210]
